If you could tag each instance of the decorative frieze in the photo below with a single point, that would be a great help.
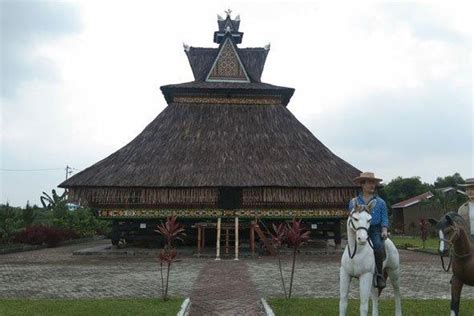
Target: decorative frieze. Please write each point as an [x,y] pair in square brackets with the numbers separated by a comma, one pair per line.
[214,213]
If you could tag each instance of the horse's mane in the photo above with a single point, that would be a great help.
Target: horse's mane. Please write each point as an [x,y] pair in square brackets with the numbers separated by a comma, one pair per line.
[458,219]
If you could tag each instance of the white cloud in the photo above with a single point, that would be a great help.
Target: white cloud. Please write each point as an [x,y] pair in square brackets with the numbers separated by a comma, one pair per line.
[377,60]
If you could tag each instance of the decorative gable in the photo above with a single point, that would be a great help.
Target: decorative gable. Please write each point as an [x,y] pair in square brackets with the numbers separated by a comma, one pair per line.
[227,65]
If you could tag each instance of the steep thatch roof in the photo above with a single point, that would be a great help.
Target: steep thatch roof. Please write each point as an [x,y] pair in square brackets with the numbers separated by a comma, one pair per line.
[198,145]
[221,131]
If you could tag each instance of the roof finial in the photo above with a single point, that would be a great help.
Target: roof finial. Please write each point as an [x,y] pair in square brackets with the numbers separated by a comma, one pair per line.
[267,47]
[186,47]
[228,12]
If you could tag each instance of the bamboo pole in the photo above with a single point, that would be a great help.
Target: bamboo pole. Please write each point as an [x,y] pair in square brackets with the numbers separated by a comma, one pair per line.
[218,242]
[236,238]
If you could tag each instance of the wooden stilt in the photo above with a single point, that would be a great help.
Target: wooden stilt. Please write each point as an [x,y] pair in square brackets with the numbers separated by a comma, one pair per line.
[218,238]
[252,238]
[236,238]
[199,240]
[337,234]
[203,232]
[227,240]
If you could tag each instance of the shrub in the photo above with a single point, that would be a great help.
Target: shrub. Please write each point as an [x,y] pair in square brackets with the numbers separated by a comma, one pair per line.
[39,234]
[10,222]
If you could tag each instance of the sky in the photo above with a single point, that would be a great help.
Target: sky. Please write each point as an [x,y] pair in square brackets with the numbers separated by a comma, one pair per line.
[386,85]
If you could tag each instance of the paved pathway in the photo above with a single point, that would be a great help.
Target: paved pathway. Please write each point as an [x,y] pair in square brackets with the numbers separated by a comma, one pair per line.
[56,273]
[318,276]
[225,288]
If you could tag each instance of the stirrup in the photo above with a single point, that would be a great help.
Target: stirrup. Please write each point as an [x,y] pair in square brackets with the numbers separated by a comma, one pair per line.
[375,282]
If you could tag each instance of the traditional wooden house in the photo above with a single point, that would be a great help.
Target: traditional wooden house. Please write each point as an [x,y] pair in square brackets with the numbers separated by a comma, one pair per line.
[226,148]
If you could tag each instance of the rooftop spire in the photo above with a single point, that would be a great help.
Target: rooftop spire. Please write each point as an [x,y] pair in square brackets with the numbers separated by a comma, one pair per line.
[228,25]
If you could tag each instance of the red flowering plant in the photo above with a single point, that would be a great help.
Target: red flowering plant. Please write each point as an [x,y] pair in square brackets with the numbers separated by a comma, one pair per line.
[171,230]
[424,230]
[296,236]
[278,236]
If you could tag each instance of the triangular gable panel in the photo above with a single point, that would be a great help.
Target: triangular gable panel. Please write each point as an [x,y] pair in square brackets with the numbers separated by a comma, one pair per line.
[228,66]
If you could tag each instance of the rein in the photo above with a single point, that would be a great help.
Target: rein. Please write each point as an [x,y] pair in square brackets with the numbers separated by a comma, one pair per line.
[449,264]
[450,242]
[351,223]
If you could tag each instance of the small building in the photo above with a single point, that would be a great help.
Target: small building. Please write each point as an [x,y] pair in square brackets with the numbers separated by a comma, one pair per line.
[408,213]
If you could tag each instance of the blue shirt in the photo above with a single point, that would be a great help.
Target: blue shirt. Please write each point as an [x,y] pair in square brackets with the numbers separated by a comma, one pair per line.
[379,212]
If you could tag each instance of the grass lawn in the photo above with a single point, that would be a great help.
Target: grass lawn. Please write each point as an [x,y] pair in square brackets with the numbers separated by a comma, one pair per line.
[330,306]
[90,307]
[414,242]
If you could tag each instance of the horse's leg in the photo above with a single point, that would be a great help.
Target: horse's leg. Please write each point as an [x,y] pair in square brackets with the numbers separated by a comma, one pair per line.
[456,288]
[394,276]
[344,283]
[375,301]
[365,283]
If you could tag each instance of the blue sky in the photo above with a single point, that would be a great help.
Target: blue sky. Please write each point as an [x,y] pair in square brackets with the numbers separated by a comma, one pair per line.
[387,86]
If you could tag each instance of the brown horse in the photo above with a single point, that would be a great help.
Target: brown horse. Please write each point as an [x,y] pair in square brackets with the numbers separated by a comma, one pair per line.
[453,234]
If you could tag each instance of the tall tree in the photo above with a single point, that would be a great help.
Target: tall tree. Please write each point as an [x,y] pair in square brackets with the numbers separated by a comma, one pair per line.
[400,189]
[449,181]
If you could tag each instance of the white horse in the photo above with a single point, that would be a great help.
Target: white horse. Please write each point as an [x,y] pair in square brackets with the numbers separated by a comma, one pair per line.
[358,261]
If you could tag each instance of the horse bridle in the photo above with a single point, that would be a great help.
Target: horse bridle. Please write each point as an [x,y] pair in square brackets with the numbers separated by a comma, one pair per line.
[450,242]
[351,223]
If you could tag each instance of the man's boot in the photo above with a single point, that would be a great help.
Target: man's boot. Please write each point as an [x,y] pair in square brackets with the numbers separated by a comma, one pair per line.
[379,254]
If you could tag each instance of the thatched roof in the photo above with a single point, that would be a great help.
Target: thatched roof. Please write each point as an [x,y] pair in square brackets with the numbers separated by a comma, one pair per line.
[190,145]
[222,133]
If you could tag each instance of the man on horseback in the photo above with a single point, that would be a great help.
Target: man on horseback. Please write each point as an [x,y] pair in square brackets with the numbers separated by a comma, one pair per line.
[379,223]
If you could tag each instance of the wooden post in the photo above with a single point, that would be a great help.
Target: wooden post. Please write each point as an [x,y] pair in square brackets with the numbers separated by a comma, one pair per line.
[252,237]
[199,240]
[203,238]
[236,238]
[227,240]
[218,238]
[337,234]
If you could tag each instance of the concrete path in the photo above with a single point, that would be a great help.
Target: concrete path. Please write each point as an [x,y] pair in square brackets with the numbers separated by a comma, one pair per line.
[57,273]
[224,288]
